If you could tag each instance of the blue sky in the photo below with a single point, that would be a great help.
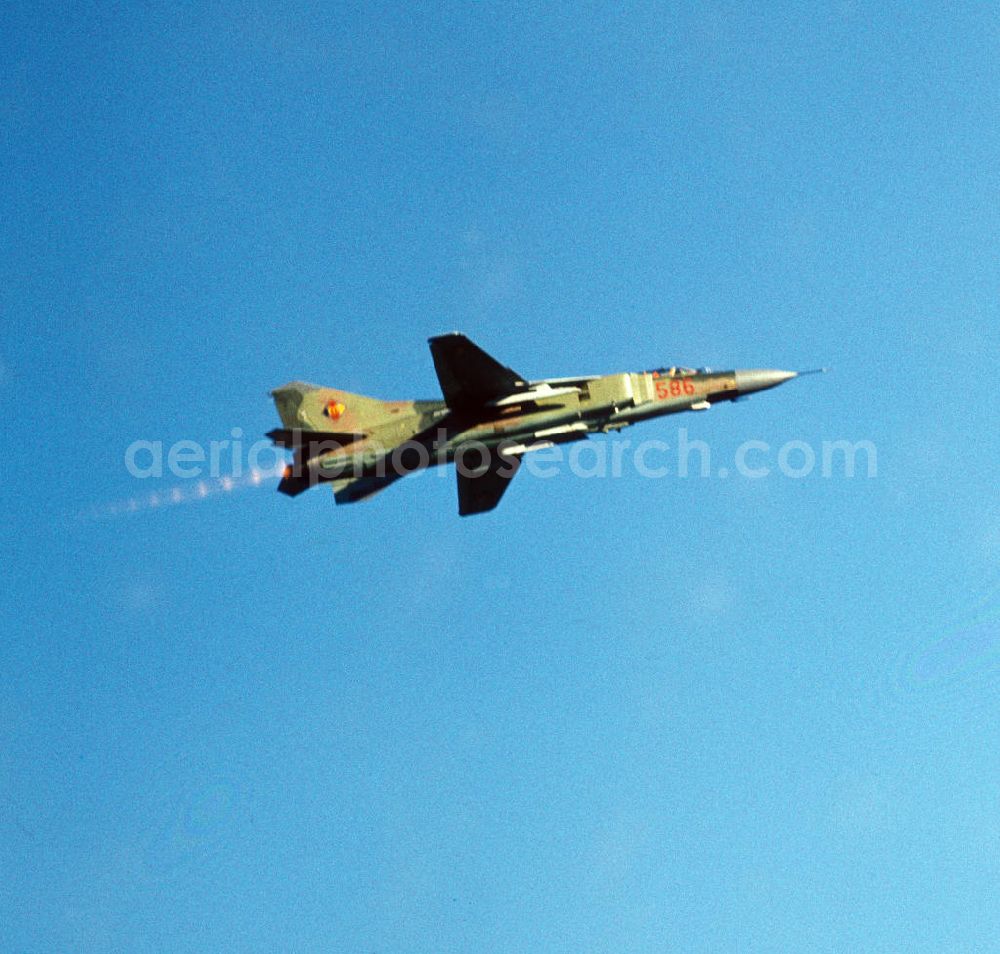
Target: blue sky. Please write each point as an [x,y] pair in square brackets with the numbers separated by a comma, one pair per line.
[613,715]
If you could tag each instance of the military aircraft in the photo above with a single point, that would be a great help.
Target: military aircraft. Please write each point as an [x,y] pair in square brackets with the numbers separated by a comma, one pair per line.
[489,419]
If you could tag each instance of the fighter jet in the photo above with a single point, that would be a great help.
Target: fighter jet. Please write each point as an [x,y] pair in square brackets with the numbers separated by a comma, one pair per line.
[490,417]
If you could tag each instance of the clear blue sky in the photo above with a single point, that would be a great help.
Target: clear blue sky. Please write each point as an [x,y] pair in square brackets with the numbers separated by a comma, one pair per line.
[611,716]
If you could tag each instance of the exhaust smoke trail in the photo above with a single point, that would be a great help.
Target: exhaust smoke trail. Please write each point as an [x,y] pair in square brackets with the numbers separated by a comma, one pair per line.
[193,491]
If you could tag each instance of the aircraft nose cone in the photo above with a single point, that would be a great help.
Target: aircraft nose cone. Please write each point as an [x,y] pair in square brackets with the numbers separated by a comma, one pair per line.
[760,380]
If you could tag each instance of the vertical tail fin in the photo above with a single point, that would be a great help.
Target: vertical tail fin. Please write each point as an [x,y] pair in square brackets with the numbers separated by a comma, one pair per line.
[304,406]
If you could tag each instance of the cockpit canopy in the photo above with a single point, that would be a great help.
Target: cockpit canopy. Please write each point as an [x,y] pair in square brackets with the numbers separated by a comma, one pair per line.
[674,372]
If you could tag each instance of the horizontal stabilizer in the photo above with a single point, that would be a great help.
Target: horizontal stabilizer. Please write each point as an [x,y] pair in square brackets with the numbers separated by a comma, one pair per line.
[352,489]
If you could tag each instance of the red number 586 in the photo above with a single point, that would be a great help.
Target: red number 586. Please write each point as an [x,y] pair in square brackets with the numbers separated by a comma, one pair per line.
[674,387]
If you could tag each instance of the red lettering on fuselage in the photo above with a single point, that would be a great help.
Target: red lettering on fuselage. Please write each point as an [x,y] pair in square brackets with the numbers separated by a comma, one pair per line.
[667,388]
